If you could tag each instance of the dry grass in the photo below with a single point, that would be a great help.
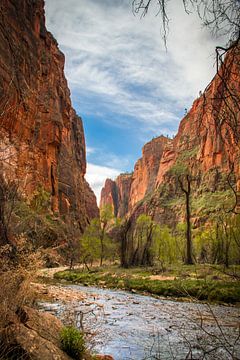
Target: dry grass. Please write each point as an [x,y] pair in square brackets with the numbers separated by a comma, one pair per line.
[17,271]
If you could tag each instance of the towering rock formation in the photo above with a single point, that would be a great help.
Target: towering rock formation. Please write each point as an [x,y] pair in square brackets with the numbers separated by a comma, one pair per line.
[109,196]
[41,137]
[146,169]
[123,184]
[116,194]
[128,189]
[209,135]
[206,147]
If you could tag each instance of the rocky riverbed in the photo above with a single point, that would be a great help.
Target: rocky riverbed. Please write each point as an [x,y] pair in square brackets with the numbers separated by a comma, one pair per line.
[131,326]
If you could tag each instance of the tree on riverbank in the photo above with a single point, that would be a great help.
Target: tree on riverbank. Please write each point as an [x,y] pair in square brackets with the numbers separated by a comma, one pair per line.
[96,244]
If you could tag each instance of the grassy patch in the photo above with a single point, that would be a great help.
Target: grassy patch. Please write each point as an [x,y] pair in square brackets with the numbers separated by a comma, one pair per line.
[72,342]
[200,282]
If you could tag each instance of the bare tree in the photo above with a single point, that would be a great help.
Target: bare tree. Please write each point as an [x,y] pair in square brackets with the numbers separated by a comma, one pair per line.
[222,17]
[186,188]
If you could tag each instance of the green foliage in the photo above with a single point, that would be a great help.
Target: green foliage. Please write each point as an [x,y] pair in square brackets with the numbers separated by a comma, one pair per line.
[41,227]
[177,201]
[188,154]
[40,201]
[91,246]
[90,242]
[179,168]
[143,241]
[187,281]
[165,249]
[204,245]
[72,342]
[144,220]
[220,241]
[210,202]
[106,214]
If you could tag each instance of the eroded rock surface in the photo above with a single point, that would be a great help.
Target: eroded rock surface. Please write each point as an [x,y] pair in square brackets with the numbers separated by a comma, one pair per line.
[33,335]
[41,137]
[206,147]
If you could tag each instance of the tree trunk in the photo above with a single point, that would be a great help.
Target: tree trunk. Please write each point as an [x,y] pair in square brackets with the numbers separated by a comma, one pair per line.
[187,192]
[147,258]
[124,243]
[189,258]
[102,243]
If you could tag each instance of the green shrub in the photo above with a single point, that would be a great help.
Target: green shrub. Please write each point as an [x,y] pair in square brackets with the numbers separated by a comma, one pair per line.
[72,342]
[179,168]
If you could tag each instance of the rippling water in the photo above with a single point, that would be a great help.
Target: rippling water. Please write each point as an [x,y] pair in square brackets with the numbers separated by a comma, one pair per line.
[132,326]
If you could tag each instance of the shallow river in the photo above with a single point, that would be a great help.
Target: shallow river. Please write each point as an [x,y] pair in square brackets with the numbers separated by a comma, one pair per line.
[131,326]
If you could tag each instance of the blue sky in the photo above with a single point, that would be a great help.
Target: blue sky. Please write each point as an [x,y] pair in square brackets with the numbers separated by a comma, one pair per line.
[124,84]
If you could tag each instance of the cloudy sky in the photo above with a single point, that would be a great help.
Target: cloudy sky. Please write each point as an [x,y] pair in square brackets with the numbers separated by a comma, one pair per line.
[123,82]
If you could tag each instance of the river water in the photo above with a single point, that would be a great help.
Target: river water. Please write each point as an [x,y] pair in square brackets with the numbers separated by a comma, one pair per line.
[132,326]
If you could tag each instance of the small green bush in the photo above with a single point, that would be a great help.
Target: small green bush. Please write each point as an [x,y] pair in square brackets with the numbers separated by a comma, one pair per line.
[72,342]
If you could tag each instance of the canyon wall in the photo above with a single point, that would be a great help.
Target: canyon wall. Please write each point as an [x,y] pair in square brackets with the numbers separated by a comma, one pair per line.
[206,147]
[128,189]
[211,129]
[117,194]
[41,137]
[146,169]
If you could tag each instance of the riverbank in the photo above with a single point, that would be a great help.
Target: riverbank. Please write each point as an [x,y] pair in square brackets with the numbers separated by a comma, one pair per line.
[131,326]
[199,282]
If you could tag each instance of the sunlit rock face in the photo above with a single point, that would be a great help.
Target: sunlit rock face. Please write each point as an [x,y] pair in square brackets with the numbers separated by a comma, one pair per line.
[41,137]
[116,194]
[211,129]
[109,195]
[128,189]
[206,147]
[146,169]
[123,183]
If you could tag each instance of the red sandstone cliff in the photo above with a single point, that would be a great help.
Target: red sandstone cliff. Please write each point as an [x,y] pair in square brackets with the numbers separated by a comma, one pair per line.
[123,183]
[109,196]
[41,137]
[146,169]
[116,194]
[211,129]
[206,147]
[128,189]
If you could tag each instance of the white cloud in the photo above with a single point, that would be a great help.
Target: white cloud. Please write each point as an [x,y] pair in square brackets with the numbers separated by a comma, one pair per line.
[110,160]
[90,150]
[121,59]
[117,64]
[96,176]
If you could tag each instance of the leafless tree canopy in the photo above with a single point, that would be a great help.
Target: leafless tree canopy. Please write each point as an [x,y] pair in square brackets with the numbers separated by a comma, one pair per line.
[222,17]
